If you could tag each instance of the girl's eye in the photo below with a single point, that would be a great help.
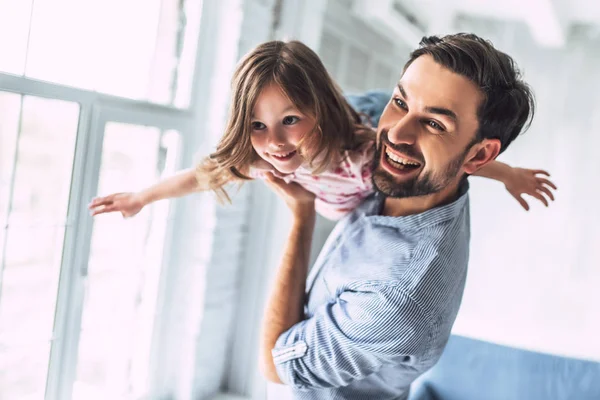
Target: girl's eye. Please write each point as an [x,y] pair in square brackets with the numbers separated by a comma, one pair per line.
[290,120]
[435,126]
[400,103]
[257,126]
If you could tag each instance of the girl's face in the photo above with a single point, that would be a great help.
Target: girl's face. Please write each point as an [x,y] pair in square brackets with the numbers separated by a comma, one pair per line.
[277,128]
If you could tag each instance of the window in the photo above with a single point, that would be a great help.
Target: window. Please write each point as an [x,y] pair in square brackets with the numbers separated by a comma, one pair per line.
[95,98]
[354,61]
[357,69]
[124,268]
[37,141]
[331,52]
[139,49]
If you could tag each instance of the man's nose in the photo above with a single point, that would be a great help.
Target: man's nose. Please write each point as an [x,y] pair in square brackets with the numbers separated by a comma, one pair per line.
[403,131]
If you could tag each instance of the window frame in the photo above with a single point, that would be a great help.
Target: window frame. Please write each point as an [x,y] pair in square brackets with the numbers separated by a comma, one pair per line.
[96,109]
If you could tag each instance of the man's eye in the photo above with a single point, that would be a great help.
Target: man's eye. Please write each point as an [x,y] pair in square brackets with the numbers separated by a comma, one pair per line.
[400,103]
[290,120]
[435,126]
[257,126]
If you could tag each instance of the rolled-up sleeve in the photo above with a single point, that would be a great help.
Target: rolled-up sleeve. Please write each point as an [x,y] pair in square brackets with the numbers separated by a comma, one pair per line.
[346,340]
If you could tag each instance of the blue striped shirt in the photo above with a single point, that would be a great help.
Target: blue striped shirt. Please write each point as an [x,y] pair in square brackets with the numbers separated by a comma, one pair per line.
[381,301]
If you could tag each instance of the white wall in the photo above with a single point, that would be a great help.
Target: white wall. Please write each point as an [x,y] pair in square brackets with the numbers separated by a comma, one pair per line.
[534,277]
[209,239]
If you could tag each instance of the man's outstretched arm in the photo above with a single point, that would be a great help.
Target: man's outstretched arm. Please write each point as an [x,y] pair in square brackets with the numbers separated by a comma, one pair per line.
[519,181]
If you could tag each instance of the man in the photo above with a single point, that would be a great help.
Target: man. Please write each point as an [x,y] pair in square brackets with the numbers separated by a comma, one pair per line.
[384,293]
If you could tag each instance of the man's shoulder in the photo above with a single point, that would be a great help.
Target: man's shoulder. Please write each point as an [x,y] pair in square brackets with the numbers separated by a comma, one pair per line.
[427,257]
[436,233]
[436,274]
[386,251]
[407,249]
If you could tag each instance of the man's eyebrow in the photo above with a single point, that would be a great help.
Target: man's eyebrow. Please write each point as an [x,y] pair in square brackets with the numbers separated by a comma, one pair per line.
[432,110]
[401,89]
[442,111]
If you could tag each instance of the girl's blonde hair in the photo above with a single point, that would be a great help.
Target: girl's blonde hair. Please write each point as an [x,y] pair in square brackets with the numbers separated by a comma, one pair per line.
[300,74]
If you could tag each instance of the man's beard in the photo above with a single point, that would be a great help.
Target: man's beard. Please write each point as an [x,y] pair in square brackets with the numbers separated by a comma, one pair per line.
[422,184]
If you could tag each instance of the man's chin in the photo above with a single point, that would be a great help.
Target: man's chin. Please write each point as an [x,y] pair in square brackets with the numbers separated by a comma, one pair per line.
[385,184]
[415,186]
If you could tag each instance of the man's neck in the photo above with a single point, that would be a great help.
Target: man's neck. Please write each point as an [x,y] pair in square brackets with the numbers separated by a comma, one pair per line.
[415,205]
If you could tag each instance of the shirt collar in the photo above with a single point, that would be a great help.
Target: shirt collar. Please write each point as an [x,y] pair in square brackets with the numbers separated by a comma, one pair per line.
[372,207]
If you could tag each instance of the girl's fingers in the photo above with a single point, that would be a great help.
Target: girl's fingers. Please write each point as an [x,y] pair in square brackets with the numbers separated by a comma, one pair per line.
[100,201]
[104,210]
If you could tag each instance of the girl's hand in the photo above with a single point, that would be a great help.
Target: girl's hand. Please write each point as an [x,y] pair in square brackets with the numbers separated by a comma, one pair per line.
[528,181]
[128,204]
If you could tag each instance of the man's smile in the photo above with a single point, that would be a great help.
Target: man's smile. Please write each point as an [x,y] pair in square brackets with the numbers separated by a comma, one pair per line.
[398,164]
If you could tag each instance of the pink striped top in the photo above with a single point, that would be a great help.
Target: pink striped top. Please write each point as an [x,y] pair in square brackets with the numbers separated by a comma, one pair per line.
[339,189]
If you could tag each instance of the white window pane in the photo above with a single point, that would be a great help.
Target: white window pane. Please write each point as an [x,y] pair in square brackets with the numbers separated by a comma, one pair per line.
[183,81]
[128,48]
[331,53]
[124,269]
[384,77]
[45,159]
[85,43]
[23,370]
[14,29]
[10,104]
[33,224]
[357,69]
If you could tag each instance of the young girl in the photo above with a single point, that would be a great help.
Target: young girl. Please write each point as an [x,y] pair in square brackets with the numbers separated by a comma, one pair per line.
[288,117]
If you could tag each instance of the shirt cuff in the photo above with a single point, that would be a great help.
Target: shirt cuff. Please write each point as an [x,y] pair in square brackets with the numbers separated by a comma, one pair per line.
[287,353]
[290,346]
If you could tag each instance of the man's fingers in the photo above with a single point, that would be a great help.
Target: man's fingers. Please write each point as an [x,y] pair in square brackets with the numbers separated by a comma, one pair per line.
[269,177]
[541,172]
[541,198]
[278,182]
[272,185]
[271,180]
[522,202]
[275,183]
[547,182]
[547,191]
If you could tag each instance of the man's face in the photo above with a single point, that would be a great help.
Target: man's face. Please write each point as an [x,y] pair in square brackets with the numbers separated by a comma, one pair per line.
[425,131]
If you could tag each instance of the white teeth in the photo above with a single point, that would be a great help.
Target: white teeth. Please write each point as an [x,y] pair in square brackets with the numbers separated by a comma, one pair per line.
[282,155]
[399,160]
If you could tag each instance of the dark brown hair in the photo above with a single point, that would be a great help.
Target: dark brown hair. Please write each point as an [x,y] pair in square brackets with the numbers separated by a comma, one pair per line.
[300,74]
[508,106]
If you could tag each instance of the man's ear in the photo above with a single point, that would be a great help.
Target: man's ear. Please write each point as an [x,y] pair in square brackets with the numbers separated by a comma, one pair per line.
[482,154]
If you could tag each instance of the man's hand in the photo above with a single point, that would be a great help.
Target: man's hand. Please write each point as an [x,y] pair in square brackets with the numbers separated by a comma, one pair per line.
[528,181]
[300,201]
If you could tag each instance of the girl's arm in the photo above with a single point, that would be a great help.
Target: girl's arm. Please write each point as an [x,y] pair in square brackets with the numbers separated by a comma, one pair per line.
[520,181]
[129,204]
